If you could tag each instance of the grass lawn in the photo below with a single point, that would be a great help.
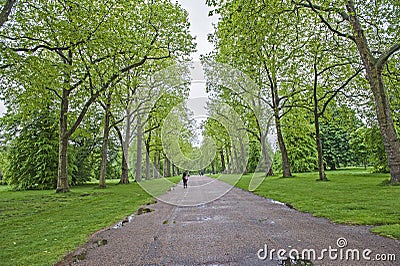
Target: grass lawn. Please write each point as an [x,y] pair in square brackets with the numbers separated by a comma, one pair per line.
[352,196]
[39,227]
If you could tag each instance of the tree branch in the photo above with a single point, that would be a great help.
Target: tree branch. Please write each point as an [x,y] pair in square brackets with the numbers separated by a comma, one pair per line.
[316,8]
[338,90]
[5,11]
[385,56]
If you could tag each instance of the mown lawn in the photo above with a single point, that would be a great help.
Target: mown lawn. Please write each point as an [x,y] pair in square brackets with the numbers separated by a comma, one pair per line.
[39,227]
[352,196]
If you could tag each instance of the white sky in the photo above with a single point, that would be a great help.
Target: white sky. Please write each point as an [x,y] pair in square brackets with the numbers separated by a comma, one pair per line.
[200,26]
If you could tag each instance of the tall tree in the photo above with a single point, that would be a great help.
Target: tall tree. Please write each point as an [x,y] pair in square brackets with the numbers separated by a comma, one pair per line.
[257,37]
[372,28]
[81,50]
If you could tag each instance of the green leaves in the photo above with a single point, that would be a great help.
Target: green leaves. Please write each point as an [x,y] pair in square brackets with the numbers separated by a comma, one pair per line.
[32,153]
[74,53]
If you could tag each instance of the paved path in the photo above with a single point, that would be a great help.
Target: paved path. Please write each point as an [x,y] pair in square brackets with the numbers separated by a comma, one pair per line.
[230,230]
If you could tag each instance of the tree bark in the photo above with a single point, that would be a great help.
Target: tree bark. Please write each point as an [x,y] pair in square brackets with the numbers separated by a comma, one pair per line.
[5,11]
[222,161]
[157,165]
[62,182]
[285,158]
[374,69]
[125,169]
[167,166]
[321,169]
[139,138]
[174,170]
[267,160]
[228,160]
[237,163]
[103,171]
[282,147]
[147,145]
[243,158]
[148,176]
[125,148]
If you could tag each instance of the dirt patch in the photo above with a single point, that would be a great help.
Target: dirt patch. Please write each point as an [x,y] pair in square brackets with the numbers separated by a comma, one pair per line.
[80,254]
[142,210]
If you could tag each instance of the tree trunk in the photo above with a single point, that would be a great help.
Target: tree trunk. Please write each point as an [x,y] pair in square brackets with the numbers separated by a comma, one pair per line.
[174,170]
[157,165]
[285,158]
[243,158]
[125,169]
[282,147]
[148,176]
[139,136]
[125,149]
[237,162]
[222,161]
[321,169]
[267,160]
[147,145]
[5,11]
[62,182]
[213,167]
[374,69]
[386,125]
[103,171]
[228,160]
[167,166]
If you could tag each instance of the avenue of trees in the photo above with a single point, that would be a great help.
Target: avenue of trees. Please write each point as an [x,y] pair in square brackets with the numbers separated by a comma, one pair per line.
[72,79]
[328,72]
[85,100]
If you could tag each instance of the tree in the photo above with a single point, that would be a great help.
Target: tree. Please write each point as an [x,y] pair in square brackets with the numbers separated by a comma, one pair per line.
[372,28]
[299,132]
[336,127]
[358,146]
[82,50]
[30,135]
[257,38]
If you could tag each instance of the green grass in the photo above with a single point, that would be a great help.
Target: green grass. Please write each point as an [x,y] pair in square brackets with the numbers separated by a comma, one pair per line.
[352,196]
[39,227]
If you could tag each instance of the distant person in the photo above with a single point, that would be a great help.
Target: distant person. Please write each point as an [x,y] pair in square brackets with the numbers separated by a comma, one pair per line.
[185,178]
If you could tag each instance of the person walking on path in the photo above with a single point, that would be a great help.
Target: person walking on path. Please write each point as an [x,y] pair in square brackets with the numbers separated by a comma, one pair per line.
[185,178]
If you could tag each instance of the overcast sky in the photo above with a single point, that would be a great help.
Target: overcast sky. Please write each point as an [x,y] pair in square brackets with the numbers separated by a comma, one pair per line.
[200,24]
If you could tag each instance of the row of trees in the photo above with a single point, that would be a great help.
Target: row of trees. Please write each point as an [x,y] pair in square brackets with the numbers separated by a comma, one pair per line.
[75,82]
[308,59]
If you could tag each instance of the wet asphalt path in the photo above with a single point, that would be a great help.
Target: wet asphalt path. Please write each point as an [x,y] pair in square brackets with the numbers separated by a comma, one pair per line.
[203,227]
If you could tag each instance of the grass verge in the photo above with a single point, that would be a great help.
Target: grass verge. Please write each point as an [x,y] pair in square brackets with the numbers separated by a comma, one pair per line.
[352,196]
[39,227]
